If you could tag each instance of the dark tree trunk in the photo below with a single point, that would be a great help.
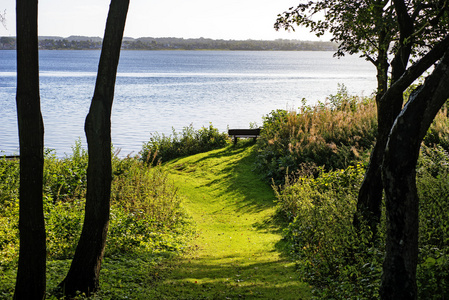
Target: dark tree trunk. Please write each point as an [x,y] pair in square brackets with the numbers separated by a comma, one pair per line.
[369,200]
[401,155]
[84,272]
[30,283]
[370,193]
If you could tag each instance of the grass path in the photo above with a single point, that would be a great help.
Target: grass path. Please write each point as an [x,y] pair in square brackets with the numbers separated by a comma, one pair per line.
[235,252]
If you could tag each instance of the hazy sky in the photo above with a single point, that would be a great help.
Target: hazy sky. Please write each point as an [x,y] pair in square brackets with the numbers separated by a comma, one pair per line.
[217,19]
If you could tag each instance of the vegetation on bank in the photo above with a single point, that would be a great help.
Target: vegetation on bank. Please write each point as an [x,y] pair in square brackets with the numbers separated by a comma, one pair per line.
[334,134]
[162,148]
[317,156]
[339,261]
[149,43]
[147,221]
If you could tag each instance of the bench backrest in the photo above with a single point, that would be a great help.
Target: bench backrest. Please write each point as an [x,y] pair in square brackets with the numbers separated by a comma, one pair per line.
[255,131]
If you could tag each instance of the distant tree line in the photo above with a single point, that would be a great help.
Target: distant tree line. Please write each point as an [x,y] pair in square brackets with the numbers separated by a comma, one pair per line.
[49,44]
[210,44]
[86,43]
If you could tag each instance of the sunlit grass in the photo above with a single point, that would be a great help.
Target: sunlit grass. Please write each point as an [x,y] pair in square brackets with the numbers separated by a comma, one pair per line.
[235,253]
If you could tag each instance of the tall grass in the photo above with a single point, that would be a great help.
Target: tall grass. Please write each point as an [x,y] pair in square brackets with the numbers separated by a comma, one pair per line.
[334,134]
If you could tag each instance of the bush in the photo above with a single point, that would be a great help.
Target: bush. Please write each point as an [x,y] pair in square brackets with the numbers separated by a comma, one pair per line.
[438,133]
[146,215]
[146,212]
[334,135]
[162,148]
[331,255]
[66,178]
[341,263]
[9,180]
[319,196]
[433,190]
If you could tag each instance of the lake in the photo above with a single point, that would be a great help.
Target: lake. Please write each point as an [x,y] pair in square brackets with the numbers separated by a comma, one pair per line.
[160,90]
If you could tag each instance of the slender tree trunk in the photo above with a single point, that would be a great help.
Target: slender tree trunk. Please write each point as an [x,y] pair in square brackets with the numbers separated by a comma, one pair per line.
[30,283]
[369,200]
[401,155]
[85,269]
[370,193]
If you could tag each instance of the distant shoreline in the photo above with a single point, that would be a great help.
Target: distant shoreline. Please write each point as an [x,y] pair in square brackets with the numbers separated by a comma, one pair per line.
[149,43]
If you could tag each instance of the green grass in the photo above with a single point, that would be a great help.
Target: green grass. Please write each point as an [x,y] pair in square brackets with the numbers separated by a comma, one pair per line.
[236,251]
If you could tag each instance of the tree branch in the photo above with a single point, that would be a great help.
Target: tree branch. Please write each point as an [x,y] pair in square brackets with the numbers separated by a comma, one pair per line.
[418,68]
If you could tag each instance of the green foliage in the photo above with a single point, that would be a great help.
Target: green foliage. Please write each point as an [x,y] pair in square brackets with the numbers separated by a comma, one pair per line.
[146,215]
[63,224]
[438,133]
[162,148]
[433,189]
[9,212]
[307,190]
[335,135]
[9,180]
[319,205]
[349,22]
[339,262]
[146,212]
[66,178]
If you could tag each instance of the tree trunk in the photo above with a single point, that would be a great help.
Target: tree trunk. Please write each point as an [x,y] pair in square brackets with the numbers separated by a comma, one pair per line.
[370,193]
[369,200]
[84,272]
[30,283]
[401,155]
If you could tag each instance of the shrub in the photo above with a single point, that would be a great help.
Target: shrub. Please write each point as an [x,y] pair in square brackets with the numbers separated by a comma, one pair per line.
[162,148]
[66,178]
[9,212]
[337,260]
[9,180]
[319,196]
[342,263]
[438,133]
[146,212]
[334,135]
[433,190]
[146,215]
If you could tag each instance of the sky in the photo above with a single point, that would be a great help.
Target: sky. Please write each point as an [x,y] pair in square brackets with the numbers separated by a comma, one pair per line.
[216,19]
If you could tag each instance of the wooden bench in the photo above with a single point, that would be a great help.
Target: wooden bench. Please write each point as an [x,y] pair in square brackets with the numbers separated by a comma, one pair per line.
[244,133]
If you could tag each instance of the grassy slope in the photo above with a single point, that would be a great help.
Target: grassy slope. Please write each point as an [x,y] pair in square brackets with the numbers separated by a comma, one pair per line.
[235,253]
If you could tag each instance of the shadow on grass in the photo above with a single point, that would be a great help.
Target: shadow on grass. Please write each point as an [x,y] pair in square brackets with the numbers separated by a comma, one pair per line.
[231,277]
[240,177]
[228,179]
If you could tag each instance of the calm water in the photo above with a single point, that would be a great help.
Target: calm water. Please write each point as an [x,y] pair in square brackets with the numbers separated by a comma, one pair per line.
[160,90]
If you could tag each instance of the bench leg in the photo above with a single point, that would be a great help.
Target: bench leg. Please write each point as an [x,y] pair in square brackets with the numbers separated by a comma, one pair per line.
[235,140]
